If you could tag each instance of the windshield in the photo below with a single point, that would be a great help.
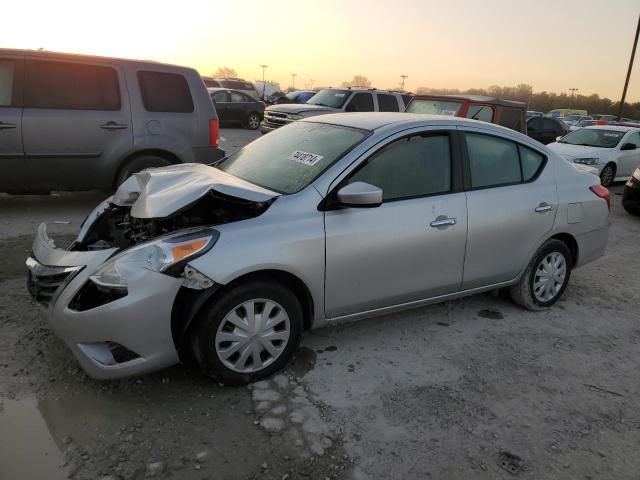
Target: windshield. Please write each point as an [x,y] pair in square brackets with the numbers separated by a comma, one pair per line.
[290,158]
[594,137]
[434,107]
[330,98]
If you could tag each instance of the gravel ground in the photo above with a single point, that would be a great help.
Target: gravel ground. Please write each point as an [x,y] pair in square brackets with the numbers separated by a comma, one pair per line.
[465,389]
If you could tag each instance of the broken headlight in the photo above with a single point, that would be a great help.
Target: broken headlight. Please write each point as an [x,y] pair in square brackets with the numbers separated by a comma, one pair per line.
[166,254]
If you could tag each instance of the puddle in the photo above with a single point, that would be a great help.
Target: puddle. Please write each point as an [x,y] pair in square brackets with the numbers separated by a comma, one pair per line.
[27,449]
[304,359]
[492,314]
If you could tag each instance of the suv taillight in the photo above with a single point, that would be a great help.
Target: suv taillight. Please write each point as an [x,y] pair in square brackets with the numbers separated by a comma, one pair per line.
[603,193]
[214,131]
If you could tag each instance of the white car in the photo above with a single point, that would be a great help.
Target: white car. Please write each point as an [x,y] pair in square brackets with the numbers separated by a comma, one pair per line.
[581,124]
[613,150]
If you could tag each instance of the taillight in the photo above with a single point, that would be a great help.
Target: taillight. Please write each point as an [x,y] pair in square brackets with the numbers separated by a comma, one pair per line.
[214,131]
[603,193]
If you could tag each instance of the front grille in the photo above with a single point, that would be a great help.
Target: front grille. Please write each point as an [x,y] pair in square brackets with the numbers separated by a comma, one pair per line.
[275,119]
[44,281]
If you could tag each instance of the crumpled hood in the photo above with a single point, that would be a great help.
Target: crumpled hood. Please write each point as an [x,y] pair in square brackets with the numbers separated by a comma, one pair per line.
[300,108]
[577,151]
[159,192]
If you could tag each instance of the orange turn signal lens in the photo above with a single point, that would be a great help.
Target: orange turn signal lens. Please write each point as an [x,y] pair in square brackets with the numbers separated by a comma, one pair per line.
[185,249]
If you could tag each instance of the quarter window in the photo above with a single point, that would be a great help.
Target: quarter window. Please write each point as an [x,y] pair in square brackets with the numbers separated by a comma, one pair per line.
[165,92]
[72,86]
[480,112]
[411,167]
[494,161]
[361,102]
[7,69]
[387,103]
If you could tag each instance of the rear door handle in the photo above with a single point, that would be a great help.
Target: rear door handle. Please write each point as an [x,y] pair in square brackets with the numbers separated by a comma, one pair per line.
[4,125]
[544,207]
[113,126]
[443,221]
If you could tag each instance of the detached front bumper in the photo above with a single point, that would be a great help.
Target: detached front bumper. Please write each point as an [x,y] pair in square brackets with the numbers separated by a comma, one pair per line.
[112,336]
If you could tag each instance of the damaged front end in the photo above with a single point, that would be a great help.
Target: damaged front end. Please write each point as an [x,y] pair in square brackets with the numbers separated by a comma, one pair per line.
[112,292]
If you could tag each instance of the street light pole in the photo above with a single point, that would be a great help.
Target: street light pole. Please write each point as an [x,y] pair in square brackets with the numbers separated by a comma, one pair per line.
[626,82]
[573,91]
[264,85]
[293,80]
[403,77]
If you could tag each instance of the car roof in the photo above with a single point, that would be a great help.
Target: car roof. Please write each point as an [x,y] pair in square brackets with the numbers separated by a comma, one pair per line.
[44,54]
[375,120]
[476,99]
[618,128]
[222,89]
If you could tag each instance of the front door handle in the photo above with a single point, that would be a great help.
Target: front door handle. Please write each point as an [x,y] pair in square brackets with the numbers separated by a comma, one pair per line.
[443,221]
[4,125]
[544,207]
[113,126]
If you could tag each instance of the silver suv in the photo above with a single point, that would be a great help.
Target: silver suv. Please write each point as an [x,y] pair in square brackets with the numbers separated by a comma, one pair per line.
[335,100]
[75,122]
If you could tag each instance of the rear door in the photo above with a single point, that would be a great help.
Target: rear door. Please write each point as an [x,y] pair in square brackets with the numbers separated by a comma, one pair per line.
[76,119]
[512,202]
[550,130]
[223,105]
[535,129]
[13,170]
[240,106]
[360,102]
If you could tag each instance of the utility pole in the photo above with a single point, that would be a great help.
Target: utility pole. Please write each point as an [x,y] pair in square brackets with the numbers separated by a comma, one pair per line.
[626,82]
[403,77]
[264,85]
[573,91]
[293,80]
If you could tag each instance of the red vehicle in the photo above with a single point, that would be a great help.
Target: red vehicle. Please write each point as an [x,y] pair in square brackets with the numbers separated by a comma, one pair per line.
[507,113]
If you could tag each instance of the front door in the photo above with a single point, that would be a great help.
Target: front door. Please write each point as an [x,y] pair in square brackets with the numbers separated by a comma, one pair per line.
[512,204]
[13,171]
[409,248]
[75,115]
[629,159]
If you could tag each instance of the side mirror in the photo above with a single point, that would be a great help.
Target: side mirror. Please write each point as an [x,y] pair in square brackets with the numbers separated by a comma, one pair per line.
[360,195]
[628,146]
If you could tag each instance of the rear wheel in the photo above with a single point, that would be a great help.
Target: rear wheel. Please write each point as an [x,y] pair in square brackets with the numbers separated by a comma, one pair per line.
[248,333]
[138,164]
[546,277]
[253,121]
[607,175]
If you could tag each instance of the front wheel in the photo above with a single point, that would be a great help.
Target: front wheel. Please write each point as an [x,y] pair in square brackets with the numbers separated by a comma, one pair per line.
[253,121]
[248,333]
[546,277]
[607,175]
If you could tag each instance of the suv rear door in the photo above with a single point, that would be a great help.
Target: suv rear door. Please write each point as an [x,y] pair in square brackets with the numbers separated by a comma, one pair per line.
[13,170]
[360,102]
[76,119]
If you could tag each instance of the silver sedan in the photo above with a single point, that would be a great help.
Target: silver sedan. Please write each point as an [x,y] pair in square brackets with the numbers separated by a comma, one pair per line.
[335,218]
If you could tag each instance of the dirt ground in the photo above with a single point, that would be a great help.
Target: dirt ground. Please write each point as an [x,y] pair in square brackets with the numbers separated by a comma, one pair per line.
[473,388]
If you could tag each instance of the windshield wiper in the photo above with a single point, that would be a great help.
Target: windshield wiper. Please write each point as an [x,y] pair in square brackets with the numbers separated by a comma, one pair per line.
[321,105]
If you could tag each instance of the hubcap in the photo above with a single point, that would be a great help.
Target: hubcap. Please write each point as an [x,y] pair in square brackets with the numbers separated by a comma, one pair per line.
[606,176]
[549,277]
[254,121]
[252,335]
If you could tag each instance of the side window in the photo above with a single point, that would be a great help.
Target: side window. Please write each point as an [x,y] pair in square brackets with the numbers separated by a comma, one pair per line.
[165,92]
[361,102]
[531,162]
[72,86]
[480,112]
[635,139]
[410,167]
[220,97]
[549,125]
[387,103]
[511,118]
[534,124]
[7,75]
[493,161]
[238,97]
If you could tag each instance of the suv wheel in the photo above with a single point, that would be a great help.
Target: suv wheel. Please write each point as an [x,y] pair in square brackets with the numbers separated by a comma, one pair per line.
[546,277]
[253,121]
[138,164]
[248,333]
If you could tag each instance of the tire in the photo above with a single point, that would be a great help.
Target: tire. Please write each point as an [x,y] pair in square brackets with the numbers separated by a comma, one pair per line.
[234,362]
[253,121]
[138,164]
[607,175]
[524,292]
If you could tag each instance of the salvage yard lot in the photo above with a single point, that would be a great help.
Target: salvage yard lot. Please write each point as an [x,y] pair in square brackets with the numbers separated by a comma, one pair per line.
[446,391]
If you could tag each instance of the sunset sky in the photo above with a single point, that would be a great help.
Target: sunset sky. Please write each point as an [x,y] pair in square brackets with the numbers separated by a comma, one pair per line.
[552,45]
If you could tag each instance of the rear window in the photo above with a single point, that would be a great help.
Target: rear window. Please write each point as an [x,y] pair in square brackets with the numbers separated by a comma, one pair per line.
[434,107]
[165,92]
[387,103]
[72,86]
[511,118]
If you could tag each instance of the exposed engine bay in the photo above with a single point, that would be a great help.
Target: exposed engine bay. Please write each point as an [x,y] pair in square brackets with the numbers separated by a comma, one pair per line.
[116,227]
